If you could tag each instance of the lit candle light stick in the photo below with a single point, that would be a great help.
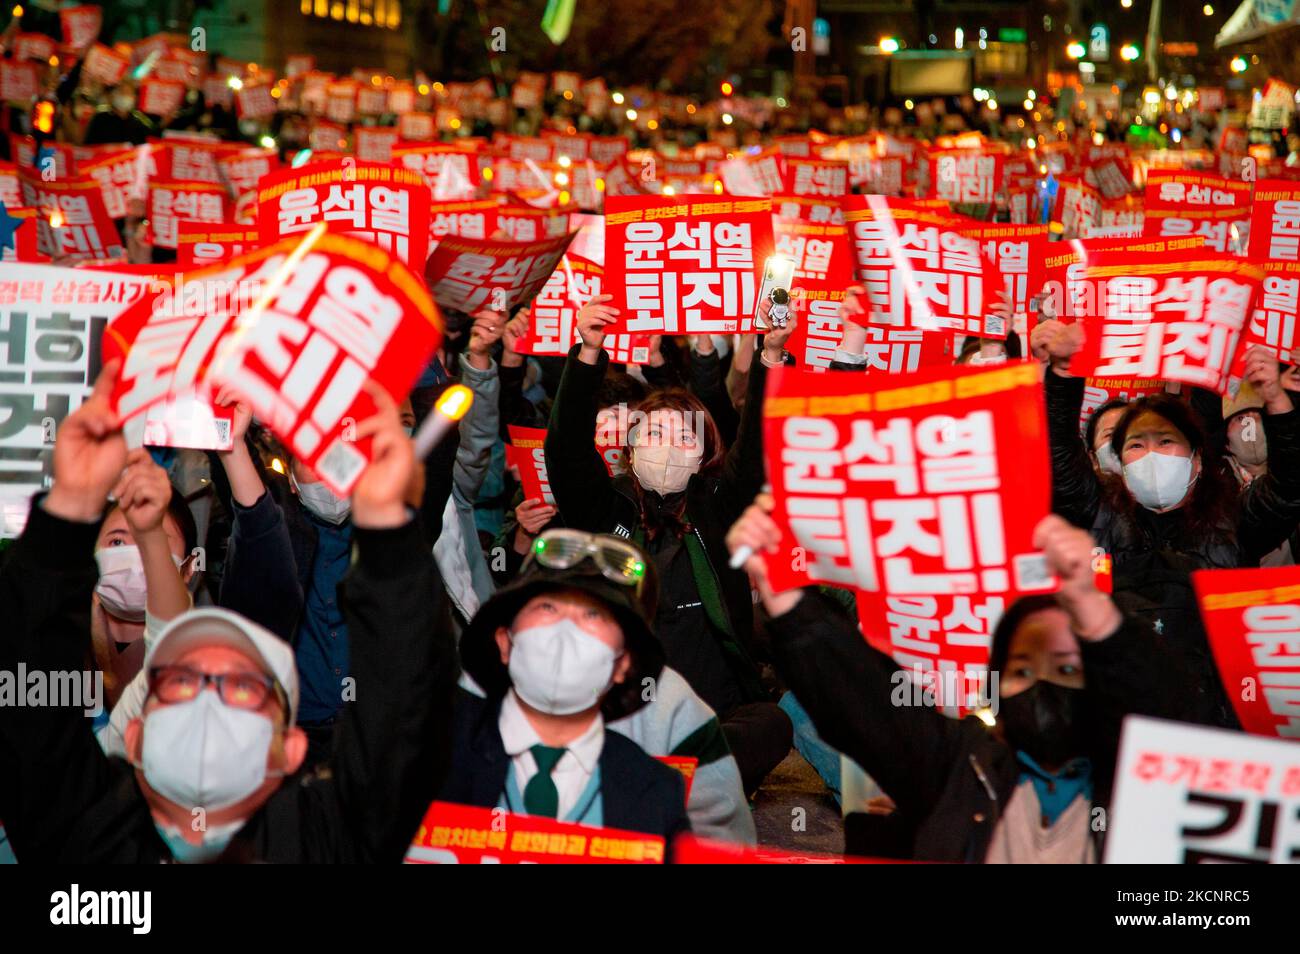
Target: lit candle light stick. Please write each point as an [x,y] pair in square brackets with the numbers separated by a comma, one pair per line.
[451,407]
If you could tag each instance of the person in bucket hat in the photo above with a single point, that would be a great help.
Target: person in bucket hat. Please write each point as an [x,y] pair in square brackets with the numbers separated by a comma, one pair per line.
[560,652]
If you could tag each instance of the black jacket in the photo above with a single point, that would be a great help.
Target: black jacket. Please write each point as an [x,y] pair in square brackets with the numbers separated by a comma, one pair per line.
[639,793]
[1154,554]
[589,499]
[950,779]
[63,800]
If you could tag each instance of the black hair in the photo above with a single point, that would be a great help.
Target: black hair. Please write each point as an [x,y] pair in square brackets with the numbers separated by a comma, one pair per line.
[1016,614]
[1094,421]
[1215,494]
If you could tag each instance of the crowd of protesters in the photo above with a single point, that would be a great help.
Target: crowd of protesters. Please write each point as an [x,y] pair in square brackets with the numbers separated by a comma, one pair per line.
[339,664]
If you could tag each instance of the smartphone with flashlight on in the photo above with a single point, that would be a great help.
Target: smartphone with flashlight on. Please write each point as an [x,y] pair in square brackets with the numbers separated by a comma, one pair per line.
[778,275]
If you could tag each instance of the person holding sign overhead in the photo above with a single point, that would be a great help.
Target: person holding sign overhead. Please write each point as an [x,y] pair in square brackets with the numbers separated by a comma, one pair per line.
[681,488]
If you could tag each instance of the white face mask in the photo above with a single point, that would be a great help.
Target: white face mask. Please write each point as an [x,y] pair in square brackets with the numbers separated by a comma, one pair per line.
[665,468]
[560,668]
[1158,481]
[318,498]
[1108,461]
[205,754]
[124,103]
[121,586]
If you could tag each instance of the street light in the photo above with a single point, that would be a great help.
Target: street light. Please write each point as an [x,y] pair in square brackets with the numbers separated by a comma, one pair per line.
[1129,52]
[1075,50]
[888,44]
[1239,64]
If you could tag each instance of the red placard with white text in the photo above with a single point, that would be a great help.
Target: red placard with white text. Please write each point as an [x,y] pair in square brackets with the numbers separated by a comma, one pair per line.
[965,176]
[1179,316]
[464,834]
[160,97]
[380,203]
[244,169]
[451,172]
[202,243]
[72,220]
[105,65]
[1185,202]
[346,312]
[921,270]
[1253,621]
[476,219]
[81,25]
[822,271]
[1187,794]
[552,319]
[172,202]
[18,82]
[254,101]
[1275,222]
[686,264]
[469,274]
[932,486]
[375,143]
[117,174]
[527,451]
[33,46]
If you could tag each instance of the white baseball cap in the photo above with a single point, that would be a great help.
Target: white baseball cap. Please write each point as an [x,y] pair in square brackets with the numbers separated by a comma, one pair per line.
[212,626]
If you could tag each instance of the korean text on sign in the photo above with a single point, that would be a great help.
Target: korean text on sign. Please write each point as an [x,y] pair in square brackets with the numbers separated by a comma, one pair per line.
[686,264]
[928,487]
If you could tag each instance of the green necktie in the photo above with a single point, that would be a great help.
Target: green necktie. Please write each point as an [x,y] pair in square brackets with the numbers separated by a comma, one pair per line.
[541,797]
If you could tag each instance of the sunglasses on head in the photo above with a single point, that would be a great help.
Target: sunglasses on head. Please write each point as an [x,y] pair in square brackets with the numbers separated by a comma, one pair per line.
[617,561]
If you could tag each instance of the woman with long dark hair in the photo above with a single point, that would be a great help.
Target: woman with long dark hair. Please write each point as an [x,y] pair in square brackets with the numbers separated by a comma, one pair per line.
[1173,508]
[681,489]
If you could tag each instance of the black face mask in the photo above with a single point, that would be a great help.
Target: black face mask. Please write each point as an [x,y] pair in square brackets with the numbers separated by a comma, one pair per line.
[1044,722]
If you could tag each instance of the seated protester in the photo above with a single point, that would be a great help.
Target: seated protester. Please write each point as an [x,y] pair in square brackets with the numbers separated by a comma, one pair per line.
[217,739]
[561,652]
[144,551]
[680,491]
[1070,666]
[1174,510]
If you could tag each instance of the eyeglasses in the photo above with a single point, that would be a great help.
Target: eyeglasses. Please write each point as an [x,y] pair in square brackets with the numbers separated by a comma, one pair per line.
[617,561]
[239,690]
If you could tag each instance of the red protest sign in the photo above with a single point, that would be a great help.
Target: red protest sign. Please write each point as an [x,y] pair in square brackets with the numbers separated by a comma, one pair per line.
[527,451]
[933,487]
[686,264]
[921,270]
[33,46]
[105,65]
[1275,222]
[417,127]
[1177,316]
[451,172]
[822,270]
[80,25]
[1016,253]
[523,223]
[1077,208]
[18,82]
[1183,202]
[254,101]
[552,320]
[468,274]
[172,202]
[160,97]
[242,170]
[375,143]
[1274,318]
[965,176]
[24,247]
[462,834]
[941,641]
[72,219]
[202,243]
[380,203]
[473,219]
[117,174]
[827,178]
[1253,621]
[686,764]
[294,328]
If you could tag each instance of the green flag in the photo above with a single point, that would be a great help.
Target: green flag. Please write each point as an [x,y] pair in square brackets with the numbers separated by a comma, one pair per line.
[558,19]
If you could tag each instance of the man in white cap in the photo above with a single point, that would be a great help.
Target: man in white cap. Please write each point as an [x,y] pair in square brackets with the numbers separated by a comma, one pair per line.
[211,760]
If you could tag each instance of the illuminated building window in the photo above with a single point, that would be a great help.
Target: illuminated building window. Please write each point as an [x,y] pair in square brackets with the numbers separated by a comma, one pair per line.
[379,13]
